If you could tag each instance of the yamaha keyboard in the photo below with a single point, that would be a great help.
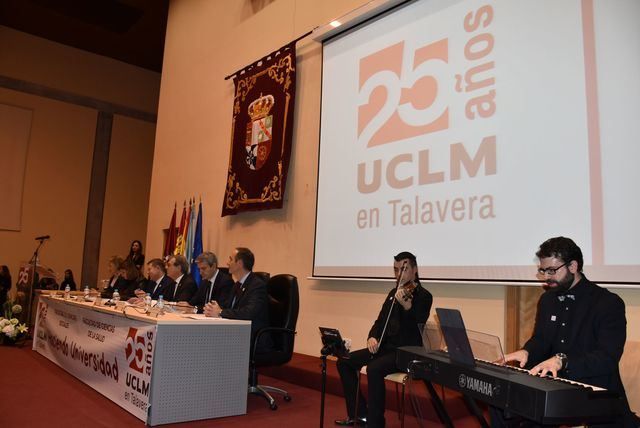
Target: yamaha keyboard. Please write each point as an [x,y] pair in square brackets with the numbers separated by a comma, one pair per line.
[544,400]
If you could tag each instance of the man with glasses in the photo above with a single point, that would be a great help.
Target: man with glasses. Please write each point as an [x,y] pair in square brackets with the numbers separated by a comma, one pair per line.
[580,328]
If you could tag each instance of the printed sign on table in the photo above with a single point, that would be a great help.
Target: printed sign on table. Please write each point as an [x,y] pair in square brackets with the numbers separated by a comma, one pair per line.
[112,354]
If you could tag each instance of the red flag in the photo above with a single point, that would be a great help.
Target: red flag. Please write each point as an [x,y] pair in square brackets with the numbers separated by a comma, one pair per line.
[170,243]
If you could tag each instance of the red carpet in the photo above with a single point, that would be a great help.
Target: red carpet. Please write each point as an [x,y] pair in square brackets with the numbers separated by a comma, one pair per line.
[35,392]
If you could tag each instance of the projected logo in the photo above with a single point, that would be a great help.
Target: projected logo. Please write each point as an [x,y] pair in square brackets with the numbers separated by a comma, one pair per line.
[399,94]
[135,346]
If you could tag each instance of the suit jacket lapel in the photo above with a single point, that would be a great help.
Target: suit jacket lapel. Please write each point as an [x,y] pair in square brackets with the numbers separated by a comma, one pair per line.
[582,308]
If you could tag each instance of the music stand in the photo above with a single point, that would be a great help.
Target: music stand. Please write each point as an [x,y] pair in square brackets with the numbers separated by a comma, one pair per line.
[459,349]
[455,336]
[332,345]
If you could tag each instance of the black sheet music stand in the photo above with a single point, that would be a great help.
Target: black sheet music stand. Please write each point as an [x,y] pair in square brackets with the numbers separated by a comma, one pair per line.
[332,344]
[459,349]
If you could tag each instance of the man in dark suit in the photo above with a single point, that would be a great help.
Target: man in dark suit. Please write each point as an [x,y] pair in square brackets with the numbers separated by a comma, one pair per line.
[580,328]
[185,287]
[216,285]
[158,283]
[249,299]
[405,306]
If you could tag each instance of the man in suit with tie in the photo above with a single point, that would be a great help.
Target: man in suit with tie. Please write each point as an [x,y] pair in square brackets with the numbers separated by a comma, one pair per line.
[216,285]
[159,283]
[580,328]
[185,287]
[249,299]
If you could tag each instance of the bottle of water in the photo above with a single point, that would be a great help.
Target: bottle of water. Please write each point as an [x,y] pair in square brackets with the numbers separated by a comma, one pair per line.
[147,302]
[160,304]
[86,293]
[67,292]
[116,296]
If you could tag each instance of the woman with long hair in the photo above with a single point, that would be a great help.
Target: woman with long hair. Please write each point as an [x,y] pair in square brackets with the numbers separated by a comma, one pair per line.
[116,282]
[136,255]
[134,279]
[5,285]
[68,280]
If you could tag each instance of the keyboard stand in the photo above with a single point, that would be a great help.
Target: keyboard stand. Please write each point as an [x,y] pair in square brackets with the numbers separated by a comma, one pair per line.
[473,407]
[438,406]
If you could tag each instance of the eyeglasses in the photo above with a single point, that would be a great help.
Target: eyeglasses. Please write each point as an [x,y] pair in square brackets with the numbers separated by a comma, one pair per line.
[550,271]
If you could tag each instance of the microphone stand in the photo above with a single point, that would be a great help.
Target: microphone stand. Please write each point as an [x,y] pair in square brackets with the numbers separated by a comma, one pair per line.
[33,262]
[384,329]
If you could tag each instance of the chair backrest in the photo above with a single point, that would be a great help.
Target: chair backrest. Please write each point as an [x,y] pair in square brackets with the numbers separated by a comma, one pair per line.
[263,276]
[283,308]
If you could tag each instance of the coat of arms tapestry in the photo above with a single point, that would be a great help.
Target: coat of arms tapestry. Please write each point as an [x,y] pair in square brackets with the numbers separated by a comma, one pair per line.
[262,127]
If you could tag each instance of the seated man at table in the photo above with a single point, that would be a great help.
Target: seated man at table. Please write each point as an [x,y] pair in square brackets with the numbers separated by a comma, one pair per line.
[249,299]
[158,283]
[184,286]
[215,286]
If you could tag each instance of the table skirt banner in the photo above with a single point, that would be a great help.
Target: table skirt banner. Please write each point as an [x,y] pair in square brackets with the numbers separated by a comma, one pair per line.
[112,354]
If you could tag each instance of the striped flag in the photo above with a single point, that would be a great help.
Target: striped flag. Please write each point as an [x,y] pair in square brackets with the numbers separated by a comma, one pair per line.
[191,230]
[197,246]
[182,231]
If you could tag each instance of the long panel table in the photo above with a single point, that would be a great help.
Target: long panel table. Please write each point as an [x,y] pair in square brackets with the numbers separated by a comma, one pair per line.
[164,369]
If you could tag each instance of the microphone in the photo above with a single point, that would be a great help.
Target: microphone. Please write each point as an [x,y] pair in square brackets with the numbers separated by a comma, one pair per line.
[42,238]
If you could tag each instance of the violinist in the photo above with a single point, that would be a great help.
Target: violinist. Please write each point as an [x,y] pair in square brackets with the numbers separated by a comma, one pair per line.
[407,305]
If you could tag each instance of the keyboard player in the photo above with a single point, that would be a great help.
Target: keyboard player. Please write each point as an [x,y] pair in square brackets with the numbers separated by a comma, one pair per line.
[580,329]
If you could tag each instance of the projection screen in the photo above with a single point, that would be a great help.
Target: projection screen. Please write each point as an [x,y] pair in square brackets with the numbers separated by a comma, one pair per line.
[469,132]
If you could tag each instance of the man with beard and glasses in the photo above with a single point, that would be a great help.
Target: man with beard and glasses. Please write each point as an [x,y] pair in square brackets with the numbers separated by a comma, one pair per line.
[580,329]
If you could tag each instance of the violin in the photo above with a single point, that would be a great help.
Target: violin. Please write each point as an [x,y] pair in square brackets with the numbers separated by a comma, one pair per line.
[409,287]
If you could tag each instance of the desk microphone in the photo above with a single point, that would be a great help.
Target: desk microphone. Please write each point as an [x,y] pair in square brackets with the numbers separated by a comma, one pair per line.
[43,237]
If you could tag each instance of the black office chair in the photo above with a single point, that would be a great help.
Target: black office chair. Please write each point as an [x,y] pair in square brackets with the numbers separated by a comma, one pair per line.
[283,315]
[265,276]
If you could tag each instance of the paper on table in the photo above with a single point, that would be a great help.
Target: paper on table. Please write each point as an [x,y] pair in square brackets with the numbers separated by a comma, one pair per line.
[203,317]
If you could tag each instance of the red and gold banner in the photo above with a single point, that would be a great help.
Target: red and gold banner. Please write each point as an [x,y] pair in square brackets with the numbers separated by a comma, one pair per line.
[261,133]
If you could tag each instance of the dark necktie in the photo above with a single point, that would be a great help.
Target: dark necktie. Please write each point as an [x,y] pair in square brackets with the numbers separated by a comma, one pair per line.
[209,292]
[236,292]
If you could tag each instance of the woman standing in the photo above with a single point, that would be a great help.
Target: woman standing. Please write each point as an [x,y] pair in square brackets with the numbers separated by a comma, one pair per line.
[5,285]
[136,255]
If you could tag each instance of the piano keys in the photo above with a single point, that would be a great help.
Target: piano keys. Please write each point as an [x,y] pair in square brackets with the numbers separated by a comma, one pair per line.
[544,400]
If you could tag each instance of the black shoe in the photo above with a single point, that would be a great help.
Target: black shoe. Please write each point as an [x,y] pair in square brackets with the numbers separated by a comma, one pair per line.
[351,422]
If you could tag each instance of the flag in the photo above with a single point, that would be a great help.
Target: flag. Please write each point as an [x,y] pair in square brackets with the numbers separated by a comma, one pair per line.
[197,246]
[191,230]
[181,241]
[170,243]
[262,131]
